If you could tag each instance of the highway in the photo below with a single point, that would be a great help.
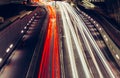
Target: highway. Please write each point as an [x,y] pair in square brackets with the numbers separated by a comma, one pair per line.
[92,25]
[56,40]
[18,61]
[88,42]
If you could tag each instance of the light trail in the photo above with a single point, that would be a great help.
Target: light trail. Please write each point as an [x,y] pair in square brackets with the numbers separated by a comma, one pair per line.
[48,69]
[97,49]
[71,23]
[87,36]
[68,26]
[69,44]
[75,17]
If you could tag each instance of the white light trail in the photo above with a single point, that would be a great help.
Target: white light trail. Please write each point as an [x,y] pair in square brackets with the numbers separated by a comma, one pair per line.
[69,44]
[65,8]
[75,17]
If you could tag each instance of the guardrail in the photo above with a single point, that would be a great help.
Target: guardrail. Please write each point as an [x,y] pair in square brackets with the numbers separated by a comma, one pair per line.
[113,48]
[38,51]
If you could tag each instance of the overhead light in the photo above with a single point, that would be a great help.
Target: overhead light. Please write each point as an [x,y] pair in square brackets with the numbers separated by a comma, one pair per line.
[35,13]
[106,39]
[1,60]
[94,22]
[27,23]
[25,27]
[22,31]
[117,56]
[7,50]
[97,25]
[91,19]
[11,45]
[30,21]
[86,15]
[33,17]
[82,12]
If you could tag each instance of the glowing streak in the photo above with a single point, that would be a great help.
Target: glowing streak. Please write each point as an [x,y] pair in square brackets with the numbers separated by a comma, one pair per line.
[46,70]
[69,44]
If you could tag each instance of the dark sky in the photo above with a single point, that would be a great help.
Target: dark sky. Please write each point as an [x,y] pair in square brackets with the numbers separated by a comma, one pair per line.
[8,1]
[4,1]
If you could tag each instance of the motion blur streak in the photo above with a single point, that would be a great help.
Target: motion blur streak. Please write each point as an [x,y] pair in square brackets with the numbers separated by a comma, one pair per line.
[68,13]
[49,66]
[56,56]
[35,0]
[65,12]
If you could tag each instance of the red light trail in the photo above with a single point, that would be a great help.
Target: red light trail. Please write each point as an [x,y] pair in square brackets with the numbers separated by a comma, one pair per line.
[50,63]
